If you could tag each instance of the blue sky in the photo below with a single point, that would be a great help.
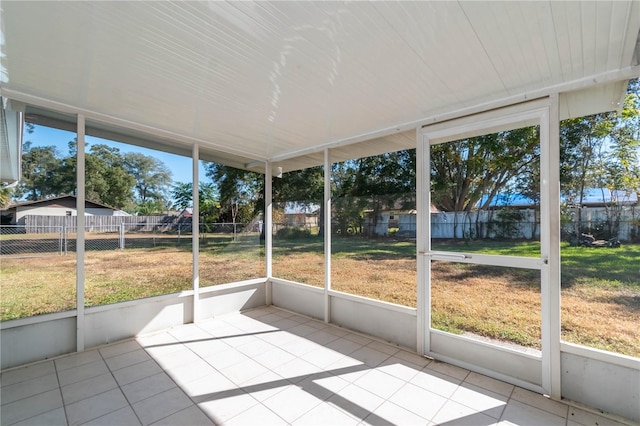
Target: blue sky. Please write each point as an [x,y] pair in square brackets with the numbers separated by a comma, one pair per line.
[46,136]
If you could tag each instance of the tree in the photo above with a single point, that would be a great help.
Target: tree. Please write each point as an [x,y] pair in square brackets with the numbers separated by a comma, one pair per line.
[467,175]
[601,151]
[304,187]
[208,205]
[152,178]
[5,195]
[40,168]
[106,180]
[241,192]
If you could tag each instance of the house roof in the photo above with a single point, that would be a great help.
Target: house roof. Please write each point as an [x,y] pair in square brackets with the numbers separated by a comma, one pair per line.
[250,82]
[53,200]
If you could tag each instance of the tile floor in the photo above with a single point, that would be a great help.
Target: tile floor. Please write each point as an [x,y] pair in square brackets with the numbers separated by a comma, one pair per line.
[265,367]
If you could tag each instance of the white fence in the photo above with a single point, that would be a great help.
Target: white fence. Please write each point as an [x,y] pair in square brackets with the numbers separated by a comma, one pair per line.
[490,224]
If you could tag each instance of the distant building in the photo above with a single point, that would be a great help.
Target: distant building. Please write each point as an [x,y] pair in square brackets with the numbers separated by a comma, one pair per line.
[64,205]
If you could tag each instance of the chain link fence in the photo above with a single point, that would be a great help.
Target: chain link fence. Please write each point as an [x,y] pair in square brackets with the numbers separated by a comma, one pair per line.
[19,241]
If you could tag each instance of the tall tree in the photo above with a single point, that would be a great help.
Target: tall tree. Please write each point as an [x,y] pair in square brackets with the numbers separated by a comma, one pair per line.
[106,180]
[152,178]
[40,168]
[208,201]
[241,192]
[467,175]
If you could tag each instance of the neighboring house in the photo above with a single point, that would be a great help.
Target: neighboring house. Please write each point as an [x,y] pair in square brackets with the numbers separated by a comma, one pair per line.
[65,205]
[186,213]
[303,215]
[599,197]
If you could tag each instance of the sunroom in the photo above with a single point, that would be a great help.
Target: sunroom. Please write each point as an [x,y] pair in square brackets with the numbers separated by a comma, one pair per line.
[442,310]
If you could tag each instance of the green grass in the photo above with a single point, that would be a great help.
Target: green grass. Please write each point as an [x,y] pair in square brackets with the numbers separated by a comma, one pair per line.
[600,286]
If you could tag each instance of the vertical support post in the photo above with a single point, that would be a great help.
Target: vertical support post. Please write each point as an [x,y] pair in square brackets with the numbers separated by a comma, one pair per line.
[121,236]
[195,234]
[550,247]
[423,242]
[327,236]
[80,238]
[268,229]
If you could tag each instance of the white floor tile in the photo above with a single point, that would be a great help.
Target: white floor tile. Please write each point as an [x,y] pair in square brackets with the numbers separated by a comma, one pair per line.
[161,405]
[243,371]
[95,406]
[265,385]
[225,359]
[326,414]
[120,348]
[300,346]
[380,383]
[435,382]
[448,369]
[176,359]
[28,388]
[22,374]
[297,370]
[291,403]
[399,368]
[302,330]
[224,407]
[257,415]
[190,371]
[356,401]
[419,401]
[205,348]
[271,358]
[323,357]
[524,415]
[483,400]
[322,385]
[540,401]
[321,337]
[358,338]
[122,417]
[344,346]
[369,356]
[348,369]
[86,388]
[488,383]
[29,407]
[136,372]
[255,348]
[454,413]
[83,372]
[413,358]
[50,418]
[208,387]
[383,347]
[391,414]
[127,359]
[77,360]
[149,386]
[189,416]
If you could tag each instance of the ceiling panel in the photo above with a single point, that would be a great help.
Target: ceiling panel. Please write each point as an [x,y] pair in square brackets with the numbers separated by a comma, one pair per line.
[251,81]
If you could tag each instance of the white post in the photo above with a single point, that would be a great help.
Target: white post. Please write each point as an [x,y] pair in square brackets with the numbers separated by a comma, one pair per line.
[423,243]
[327,236]
[195,234]
[80,240]
[550,248]
[268,229]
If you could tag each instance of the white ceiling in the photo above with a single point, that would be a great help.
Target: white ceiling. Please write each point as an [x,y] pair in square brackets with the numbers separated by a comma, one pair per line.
[281,81]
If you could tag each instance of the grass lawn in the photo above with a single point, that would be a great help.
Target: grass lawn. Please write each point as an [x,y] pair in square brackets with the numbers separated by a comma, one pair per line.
[600,286]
